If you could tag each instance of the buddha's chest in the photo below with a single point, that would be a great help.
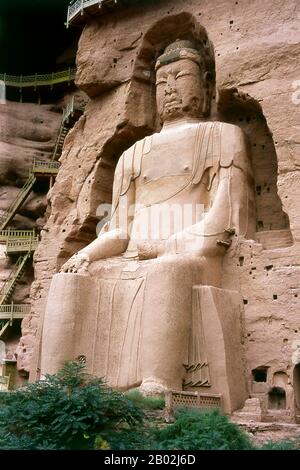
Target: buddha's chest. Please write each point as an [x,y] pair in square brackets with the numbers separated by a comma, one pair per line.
[167,156]
[174,166]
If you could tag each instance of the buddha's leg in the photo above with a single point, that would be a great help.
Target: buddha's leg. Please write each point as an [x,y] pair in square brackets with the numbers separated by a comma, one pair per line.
[166,321]
[68,321]
[97,316]
[118,330]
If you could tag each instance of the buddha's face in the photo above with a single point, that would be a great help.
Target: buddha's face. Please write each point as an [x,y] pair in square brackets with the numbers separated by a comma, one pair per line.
[179,90]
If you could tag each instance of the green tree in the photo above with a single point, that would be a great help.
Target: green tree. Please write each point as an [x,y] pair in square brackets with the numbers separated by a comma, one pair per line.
[69,410]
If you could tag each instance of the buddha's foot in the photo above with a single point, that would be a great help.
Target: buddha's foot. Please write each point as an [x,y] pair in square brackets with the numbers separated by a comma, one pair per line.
[151,386]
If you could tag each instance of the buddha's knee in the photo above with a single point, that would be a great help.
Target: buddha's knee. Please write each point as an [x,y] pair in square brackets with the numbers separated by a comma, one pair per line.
[178,267]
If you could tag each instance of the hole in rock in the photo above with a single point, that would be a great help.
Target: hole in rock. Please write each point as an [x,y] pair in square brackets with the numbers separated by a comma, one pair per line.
[269,267]
[259,374]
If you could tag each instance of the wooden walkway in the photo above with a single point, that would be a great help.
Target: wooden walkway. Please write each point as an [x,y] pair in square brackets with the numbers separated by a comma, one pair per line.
[38,80]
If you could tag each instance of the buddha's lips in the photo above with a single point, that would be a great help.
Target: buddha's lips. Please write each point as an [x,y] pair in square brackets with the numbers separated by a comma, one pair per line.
[172,103]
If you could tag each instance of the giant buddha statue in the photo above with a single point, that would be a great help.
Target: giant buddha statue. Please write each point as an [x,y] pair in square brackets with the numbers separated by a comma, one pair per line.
[144,302]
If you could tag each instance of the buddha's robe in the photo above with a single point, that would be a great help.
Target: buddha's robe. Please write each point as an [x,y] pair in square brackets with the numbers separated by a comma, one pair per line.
[131,317]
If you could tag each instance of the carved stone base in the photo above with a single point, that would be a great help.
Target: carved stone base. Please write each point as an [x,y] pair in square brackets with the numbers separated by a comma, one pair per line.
[215,362]
[69,321]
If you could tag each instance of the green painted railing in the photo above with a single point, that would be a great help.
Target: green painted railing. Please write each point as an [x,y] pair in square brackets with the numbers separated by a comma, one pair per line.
[14,311]
[77,7]
[71,107]
[50,79]
[9,313]
[10,284]
[13,233]
[21,197]
[15,245]
[46,167]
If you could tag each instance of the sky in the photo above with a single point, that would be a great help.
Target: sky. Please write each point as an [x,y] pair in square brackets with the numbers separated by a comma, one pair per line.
[32,35]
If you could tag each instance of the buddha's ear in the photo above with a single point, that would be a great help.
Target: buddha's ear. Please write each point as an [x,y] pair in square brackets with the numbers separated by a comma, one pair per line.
[207,83]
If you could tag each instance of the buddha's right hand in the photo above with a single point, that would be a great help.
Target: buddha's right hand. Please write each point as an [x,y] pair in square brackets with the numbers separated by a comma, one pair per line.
[77,264]
[150,250]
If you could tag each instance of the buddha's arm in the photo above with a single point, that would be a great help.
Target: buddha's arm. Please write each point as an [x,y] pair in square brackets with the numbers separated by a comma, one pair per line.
[111,243]
[114,237]
[228,215]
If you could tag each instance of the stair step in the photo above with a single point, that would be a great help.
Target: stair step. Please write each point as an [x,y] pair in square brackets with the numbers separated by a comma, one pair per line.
[19,200]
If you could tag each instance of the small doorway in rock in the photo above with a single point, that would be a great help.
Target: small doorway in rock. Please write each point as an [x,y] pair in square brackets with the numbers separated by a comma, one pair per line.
[259,374]
[277,399]
[296,384]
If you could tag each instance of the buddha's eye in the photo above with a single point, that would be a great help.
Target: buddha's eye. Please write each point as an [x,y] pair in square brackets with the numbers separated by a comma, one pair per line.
[182,74]
[160,81]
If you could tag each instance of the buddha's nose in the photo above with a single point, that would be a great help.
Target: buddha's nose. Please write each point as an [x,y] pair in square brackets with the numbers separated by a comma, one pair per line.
[170,86]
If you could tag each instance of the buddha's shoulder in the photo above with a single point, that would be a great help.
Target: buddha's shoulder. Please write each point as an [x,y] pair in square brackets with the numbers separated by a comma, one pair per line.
[134,153]
[130,161]
[214,126]
[223,126]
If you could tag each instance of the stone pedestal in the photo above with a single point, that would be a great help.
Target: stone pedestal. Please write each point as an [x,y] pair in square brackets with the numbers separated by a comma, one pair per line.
[215,363]
[71,314]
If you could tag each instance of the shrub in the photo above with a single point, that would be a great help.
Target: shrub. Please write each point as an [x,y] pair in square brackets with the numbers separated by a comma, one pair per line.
[146,403]
[279,445]
[68,410]
[201,430]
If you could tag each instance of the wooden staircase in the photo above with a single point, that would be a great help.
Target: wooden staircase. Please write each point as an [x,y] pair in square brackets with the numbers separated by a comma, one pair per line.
[17,203]
[71,114]
[24,242]
[60,141]
[42,168]
[10,284]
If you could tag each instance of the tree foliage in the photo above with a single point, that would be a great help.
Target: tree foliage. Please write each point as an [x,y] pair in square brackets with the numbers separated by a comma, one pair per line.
[68,410]
[201,430]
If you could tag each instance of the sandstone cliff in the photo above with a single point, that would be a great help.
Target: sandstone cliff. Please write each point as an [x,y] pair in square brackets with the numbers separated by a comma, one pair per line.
[256,45]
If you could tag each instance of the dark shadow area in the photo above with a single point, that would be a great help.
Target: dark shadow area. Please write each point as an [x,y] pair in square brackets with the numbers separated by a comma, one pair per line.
[33,37]
[242,110]
[277,399]
[259,374]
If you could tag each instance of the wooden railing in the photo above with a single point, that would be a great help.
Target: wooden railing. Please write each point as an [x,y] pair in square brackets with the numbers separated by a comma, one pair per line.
[70,109]
[9,286]
[50,79]
[14,311]
[14,245]
[186,399]
[8,215]
[13,233]
[77,7]
[46,167]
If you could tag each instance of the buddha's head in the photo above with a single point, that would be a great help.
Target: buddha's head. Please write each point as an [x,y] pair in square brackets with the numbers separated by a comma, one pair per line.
[180,82]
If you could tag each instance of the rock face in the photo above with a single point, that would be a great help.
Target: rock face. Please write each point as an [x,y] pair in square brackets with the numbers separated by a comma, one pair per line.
[255,45]
[27,131]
